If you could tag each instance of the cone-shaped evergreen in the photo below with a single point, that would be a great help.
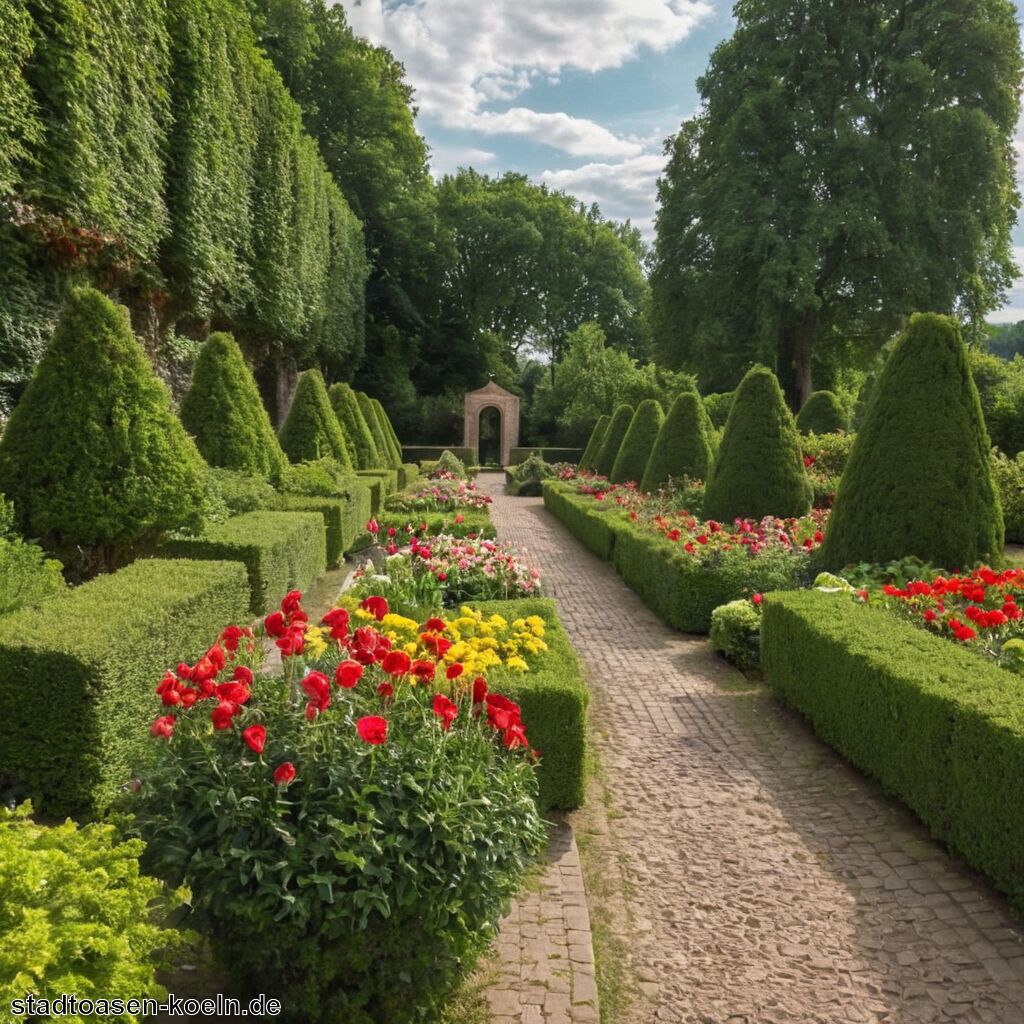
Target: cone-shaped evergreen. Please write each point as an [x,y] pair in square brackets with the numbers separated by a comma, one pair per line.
[918,480]
[617,427]
[821,414]
[93,455]
[223,411]
[376,429]
[354,425]
[388,433]
[759,470]
[637,445]
[683,445]
[594,444]
[312,431]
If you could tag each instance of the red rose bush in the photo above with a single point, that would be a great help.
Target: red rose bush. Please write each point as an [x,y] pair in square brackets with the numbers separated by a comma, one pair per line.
[351,826]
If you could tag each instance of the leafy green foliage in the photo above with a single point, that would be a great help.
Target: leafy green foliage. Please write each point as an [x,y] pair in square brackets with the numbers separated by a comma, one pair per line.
[638,443]
[66,890]
[759,469]
[94,657]
[312,430]
[919,478]
[230,493]
[821,414]
[380,439]
[1009,477]
[326,479]
[281,551]
[683,445]
[223,411]
[1001,388]
[388,432]
[736,633]
[617,427]
[594,443]
[354,425]
[335,516]
[936,725]
[19,123]
[790,220]
[718,406]
[93,456]
[448,462]
[27,576]
[529,476]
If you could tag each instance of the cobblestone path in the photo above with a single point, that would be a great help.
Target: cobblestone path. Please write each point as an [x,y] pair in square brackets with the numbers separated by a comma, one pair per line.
[766,881]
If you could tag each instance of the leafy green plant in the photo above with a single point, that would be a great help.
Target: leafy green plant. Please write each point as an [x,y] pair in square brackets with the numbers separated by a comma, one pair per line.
[97,464]
[529,476]
[683,445]
[1009,476]
[822,413]
[590,453]
[385,453]
[354,425]
[718,405]
[638,442]
[448,464]
[27,576]
[612,441]
[311,430]
[736,632]
[231,492]
[76,914]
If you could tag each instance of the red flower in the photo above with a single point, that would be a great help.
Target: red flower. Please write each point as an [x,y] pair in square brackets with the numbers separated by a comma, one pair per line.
[423,669]
[206,667]
[929,615]
[233,692]
[274,624]
[385,690]
[373,526]
[231,636]
[376,606]
[514,736]
[758,599]
[446,710]
[290,602]
[318,689]
[435,625]
[441,577]
[337,620]
[347,674]
[243,674]
[391,531]
[256,738]
[809,460]
[460,518]
[163,726]
[223,713]
[284,773]
[436,643]
[373,729]
[454,671]
[479,690]
[396,663]
[501,712]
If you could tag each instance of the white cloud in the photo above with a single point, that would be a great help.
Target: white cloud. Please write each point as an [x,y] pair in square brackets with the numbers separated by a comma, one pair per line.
[448,159]
[463,56]
[623,190]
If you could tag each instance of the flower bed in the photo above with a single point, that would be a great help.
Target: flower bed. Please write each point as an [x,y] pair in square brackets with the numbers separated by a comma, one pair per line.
[938,726]
[353,827]
[441,495]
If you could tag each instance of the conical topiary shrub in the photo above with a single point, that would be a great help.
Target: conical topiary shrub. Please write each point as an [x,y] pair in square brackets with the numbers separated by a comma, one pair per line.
[93,456]
[223,411]
[312,431]
[594,444]
[617,427]
[637,445]
[759,470]
[919,480]
[822,414]
[683,445]
[380,439]
[389,431]
[354,425]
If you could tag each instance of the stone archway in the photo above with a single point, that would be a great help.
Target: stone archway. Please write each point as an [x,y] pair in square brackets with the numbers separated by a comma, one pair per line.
[491,396]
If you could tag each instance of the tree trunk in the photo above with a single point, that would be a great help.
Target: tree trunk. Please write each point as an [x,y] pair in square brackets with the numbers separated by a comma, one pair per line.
[794,365]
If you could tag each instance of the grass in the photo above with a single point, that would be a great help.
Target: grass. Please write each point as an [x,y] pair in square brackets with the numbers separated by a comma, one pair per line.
[470,1004]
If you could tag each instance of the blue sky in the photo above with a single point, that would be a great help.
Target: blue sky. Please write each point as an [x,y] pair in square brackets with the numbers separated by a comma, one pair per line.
[578,93]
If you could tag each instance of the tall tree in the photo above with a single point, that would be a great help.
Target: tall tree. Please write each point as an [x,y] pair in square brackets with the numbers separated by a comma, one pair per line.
[850,163]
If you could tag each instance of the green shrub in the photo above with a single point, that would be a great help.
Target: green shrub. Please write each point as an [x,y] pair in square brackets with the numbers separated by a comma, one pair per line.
[223,411]
[336,517]
[822,413]
[375,485]
[93,456]
[638,443]
[829,452]
[312,430]
[759,469]
[1009,476]
[408,473]
[27,576]
[529,476]
[612,442]
[233,492]
[1000,384]
[388,479]
[388,433]
[937,726]
[474,522]
[94,656]
[322,478]
[919,478]
[380,439]
[449,463]
[281,551]
[683,445]
[553,697]
[354,425]
[590,453]
[736,633]
[76,914]
[719,405]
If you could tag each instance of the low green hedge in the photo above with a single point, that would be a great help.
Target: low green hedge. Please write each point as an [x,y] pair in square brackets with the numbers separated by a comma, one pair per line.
[408,474]
[375,487]
[938,726]
[590,524]
[78,675]
[416,453]
[336,513]
[518,455]
[281,551]
[553,697]
[476,522]
[387,480]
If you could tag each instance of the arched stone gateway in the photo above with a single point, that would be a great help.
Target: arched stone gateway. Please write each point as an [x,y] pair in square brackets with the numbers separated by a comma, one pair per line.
[492,397]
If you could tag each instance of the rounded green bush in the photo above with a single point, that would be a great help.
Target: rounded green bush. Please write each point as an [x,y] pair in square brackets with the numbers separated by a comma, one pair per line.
[312,430]
[759,470]
[822,413]
[1009,474]
[617,427]
[223,411]
[718,405]
[353,423]
[919,478]
[683,446]
[736,632]
[96,462]
[637,445]
[594,444]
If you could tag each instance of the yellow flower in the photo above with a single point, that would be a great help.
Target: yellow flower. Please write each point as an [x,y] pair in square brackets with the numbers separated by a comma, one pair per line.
[518,664]
[400,622]
[362,613]
[315,642]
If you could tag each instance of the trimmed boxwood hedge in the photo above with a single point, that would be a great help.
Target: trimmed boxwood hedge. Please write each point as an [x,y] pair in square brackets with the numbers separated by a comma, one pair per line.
[638,443]
[553,697]
[612,440]
[336,516]
[408,474]
[589,524]
[475,521]
[78,675]
[593,448]
[281,551]
[939,727]
[822,413]
[386,478]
